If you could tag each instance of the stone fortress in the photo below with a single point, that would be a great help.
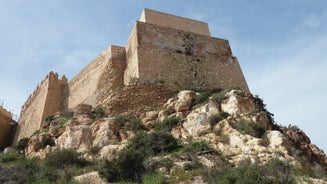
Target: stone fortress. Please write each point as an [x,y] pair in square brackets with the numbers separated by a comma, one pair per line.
[7,128]
[164,54]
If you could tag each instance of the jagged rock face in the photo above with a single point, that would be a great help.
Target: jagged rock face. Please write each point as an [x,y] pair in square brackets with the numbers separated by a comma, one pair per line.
[238,103]
[105,131]
[231,135]
[303,142]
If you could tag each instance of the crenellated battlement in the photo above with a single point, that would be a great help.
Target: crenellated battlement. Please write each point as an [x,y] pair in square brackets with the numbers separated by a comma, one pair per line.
[51,76]
[48,97]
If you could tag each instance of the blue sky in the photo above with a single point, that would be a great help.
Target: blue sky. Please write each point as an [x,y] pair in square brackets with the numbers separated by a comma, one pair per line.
[281,46]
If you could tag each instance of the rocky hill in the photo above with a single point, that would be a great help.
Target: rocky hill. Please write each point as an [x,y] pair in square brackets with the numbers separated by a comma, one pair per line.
[217,136]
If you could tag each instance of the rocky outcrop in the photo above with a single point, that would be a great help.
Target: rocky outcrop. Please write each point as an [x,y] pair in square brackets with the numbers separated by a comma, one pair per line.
[234,126]
[92,177]
[302,141]
[238,103]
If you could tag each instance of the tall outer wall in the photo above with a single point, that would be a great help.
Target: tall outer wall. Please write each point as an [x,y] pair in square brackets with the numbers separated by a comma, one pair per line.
[48,98]
[102,76]
[5,127]
[181,60]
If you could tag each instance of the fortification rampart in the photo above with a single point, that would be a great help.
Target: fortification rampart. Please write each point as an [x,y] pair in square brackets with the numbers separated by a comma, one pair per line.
[180,59]
[48,98]
[5,127]
[164,53]
[102,75]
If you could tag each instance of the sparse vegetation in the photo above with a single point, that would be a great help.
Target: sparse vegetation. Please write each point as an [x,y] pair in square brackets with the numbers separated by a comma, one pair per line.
[197,146]
[22,144]
[64,117]
[46,140]
[275,171]
[214,119]
[203,96]
[98,113]
[57,167]
[153,178]
[166,125]
[135,125]
[224,139]
[250,128]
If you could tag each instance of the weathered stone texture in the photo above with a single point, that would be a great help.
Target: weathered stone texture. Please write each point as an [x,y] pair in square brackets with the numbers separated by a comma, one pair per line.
[173,21]
[180,59]
[164,54]
[136,99]
[102,75]
[5,127]
[48,98]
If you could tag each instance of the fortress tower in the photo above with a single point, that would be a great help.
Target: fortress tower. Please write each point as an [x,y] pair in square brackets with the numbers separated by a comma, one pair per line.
[166,51]
[49,97]
[179,53]
[6,127]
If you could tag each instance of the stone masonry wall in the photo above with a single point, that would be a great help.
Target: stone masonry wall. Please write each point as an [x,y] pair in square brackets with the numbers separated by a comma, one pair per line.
[5,127]
[102,75]
[183,60]
[173,21]
[48,98]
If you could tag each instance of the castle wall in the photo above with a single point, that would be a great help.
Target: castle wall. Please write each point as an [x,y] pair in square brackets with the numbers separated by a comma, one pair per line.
[101,76]
[48,98]
[131,73]
[173,21]
[183,60]
[5,128]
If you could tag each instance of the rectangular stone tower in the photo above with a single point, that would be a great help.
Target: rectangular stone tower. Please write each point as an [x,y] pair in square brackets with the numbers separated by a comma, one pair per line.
[179,53]
[49,97]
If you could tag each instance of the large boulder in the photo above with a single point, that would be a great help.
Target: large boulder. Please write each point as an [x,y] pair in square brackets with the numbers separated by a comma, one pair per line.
[238,103]
[104,132]
[91,177]
[77,137]
[185,100]
[198,120]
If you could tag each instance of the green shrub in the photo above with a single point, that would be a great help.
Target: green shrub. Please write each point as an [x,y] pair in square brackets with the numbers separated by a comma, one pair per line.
[98,113]
[94,150]
[121,119]
[167,124]
[128,166]
[154,142]
[22,144]
[275,171]
[10,157]
[197,146]
[250,128]
[50,118]
[202,97]
[224,139]
[153,178]
[167,163]
[219,97]
[214,119]
[188,166]
[134,125]
[64,117]
[178,175]
[47,140]
[60,159]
